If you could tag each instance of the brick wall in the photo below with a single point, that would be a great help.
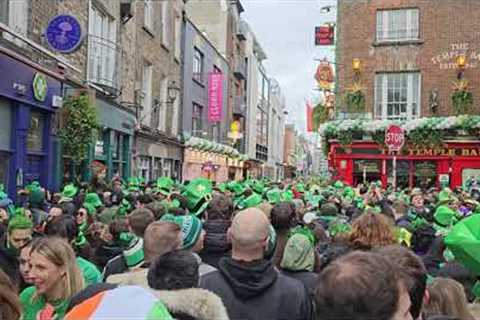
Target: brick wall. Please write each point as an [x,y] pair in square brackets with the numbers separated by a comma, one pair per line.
[442,25]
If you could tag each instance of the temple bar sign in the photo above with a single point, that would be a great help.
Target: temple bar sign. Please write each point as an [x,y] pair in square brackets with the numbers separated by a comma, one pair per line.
[446,59]
[463,152]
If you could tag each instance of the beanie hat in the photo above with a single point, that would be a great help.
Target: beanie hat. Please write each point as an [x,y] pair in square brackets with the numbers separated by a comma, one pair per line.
[191,228]
[133,249]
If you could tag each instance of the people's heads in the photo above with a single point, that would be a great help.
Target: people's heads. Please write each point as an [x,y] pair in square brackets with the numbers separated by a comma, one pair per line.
[53,268]
[81,216]
[173,271]
[161,237]
[19,231]
[371,230]
[192,232]
[220,208]
[98,233]
[10,308]
[157,209]
[24,263]
[117,227]
[411,271]
[143,200]
[64,227]
[139,220]
[417,200]
[3,216]
[299,254]
[370,289]
[55,211]
[447,297]
[283,215]
[249,234]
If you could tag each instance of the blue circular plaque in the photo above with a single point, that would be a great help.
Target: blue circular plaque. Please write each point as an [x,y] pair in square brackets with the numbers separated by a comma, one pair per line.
[64,33]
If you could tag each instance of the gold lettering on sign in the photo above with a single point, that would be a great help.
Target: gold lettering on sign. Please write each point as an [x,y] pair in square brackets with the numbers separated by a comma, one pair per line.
[465,152]
[451,152]
[446,59]
[473,153]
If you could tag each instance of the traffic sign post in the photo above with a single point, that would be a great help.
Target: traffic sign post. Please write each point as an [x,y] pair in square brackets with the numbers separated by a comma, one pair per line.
[394,139]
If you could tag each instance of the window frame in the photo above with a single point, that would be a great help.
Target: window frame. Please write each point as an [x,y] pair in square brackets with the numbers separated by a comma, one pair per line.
[383,27]
[148,13]
[382,97]
[197,123]
[198,65]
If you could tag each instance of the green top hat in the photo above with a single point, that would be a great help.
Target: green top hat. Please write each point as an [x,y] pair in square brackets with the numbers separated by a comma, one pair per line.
[251,201]
[236,188]
[348,192]
[338,185]
[444,216]
[257,186]
[222,187]
[287,195]
[133,184]
[164,185]
[300,187]
[463,241]
[198,194]
[92,202]
[274,196]
[444,196]
[69,191]
[36,194]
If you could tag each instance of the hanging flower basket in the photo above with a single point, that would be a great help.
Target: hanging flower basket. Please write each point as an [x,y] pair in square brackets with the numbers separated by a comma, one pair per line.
[462,98]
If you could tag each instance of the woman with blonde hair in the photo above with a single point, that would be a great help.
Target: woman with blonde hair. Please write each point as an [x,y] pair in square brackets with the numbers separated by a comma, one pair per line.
[55,276]
[447,298]
[371,230]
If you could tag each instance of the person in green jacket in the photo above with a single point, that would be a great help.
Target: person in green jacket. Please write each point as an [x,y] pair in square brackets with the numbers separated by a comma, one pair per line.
[56,278]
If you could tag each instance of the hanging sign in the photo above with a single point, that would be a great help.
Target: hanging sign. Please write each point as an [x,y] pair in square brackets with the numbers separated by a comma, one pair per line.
[324,75]
[324,35]
[215,96]
[40,87]
[64,33]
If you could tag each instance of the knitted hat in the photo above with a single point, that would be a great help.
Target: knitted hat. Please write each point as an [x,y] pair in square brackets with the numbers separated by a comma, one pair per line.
[191,228]
[133,249]
[92,202]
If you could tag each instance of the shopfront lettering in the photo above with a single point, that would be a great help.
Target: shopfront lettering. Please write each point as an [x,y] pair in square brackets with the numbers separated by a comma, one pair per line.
[451,152]
[446,59]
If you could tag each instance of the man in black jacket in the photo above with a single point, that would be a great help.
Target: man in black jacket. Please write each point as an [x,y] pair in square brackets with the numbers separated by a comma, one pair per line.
[250,286]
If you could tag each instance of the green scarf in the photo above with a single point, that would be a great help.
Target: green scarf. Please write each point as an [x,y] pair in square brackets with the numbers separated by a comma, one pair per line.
[299,254]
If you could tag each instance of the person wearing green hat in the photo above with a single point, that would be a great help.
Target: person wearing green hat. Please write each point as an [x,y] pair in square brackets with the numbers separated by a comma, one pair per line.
[92,203]
[252,200]
[193,237]
[444,218]
[198,194]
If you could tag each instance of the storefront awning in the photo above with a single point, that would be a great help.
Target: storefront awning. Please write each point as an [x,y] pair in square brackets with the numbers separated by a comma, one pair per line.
[115,118]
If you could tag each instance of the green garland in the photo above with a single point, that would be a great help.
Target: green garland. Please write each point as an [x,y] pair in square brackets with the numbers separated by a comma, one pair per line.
[319,116]
[345,138]
[379,138]
[425,136]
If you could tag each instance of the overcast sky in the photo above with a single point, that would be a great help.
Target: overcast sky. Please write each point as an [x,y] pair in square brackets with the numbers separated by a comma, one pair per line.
[286,32]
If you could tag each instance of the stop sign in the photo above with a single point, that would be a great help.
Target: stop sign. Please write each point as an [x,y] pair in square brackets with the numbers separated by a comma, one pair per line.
[394,137]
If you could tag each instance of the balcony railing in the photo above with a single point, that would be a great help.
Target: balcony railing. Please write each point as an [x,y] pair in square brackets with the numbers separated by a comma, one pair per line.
[240,107]
[104,64]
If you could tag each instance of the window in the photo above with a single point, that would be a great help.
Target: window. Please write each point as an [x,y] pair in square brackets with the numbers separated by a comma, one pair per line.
[164,105]
[35,132]
[178,35]
[14,13]
[144,168]
[397,96]
[197,65]
[197,120]
[102,48]
[147,94]
[157,168]
[166,23]
[262,127]
[5,124]
[397,25]
[148,15]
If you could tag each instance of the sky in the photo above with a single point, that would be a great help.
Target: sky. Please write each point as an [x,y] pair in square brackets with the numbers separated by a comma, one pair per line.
[286,32]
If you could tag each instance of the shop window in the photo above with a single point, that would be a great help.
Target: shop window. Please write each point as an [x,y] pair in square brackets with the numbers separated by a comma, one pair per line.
[5,124]
[468,174]
[100,144]
[365,171]
[402,175]
[397,95]
[397,25]
[35,132]
[425,174]
[4,161]
[144,168]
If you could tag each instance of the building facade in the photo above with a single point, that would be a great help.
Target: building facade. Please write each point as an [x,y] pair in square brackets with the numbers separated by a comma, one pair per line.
[408,58]
[155,29]
[276,130]
[205,74]
[289,147]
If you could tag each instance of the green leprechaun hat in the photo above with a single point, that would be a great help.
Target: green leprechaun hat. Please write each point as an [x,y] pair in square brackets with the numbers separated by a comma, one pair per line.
[251,201]
[237,188]
[274,196]
[92,202]
[198,194]
[164,185]
[69,191]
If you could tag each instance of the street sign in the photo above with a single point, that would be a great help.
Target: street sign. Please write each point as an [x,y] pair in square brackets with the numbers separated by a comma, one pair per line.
[394,138]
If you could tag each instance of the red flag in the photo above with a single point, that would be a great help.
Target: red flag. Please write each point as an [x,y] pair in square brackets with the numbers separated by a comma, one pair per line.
[309,117]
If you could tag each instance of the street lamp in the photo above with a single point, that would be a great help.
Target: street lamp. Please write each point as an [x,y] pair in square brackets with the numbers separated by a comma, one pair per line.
[356,65]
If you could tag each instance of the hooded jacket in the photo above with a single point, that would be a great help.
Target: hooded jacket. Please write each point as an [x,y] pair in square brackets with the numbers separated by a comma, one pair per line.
[216,245]
[256,290]
[197,303]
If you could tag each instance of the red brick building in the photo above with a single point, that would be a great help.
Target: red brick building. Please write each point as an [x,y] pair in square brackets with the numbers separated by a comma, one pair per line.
[412,42]
[409,54]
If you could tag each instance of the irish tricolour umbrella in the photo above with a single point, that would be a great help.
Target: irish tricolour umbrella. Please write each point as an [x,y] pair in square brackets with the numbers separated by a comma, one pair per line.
[463,240]
[129,302]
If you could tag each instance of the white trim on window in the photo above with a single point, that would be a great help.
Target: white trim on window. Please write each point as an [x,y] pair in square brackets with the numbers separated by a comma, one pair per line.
[398,25]
[148,15]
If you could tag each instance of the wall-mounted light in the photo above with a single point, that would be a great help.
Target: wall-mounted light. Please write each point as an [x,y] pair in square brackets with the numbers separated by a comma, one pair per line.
[356,65]
[461,62]
[172,91]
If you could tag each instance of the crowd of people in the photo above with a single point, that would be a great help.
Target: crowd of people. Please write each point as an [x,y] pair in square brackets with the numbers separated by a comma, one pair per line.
[254,249]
